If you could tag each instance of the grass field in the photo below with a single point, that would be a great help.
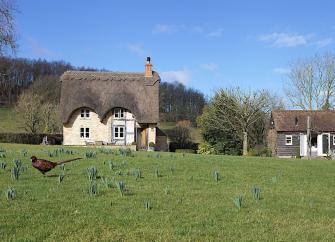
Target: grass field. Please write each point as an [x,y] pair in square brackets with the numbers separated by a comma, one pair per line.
[195,132]
[8,123]
[187,204]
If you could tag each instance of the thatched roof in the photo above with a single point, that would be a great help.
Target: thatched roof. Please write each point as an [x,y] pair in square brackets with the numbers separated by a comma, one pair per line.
[296,120]
[102,91]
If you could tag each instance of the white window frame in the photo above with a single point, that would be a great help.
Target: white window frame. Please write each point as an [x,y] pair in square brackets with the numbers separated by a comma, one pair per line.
[333,139]
[290,137]
[84,133]
[117,130]
[85,113]
[119,113]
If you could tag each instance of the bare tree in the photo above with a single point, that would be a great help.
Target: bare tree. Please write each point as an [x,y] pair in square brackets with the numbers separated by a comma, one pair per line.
[7,26]
[311,84]
[237,111]
[28,111]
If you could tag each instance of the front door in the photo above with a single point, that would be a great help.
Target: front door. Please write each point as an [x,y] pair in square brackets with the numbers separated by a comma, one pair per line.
[144,138]
[325,144]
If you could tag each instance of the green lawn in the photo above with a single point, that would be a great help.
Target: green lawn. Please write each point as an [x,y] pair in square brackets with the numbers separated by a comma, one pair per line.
[8,123]
[297,199]
[168,126]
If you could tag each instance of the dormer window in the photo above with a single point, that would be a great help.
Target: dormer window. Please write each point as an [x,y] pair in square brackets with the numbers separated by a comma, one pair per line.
[85,113]
[296,121]
[119,113]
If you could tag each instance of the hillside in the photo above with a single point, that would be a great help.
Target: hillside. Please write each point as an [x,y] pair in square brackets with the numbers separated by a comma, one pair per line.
[175,198]
[8,122]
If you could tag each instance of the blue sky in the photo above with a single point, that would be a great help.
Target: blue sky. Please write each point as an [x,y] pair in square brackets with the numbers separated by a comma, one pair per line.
[203,44]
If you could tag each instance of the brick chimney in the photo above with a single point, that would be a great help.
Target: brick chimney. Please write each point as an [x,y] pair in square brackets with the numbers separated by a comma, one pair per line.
[148,68]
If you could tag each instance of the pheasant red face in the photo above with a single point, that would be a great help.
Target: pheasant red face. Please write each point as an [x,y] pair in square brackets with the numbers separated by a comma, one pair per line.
[33,158]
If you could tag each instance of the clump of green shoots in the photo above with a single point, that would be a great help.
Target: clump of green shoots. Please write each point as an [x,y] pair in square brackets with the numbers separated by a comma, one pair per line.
[274,179]
[216,176]
[256,193]
[2,153]
[3,165]
[91,154]
[147,205]
[111,164]
[15,173]
[157,173]
[121,186]
[172,169]
[118,173]
[167,191]
[62,167]
[61,178]
[137,174]
[107,182]
[238,202]
[93,189]
[10,193]
[92,173]
[24,152]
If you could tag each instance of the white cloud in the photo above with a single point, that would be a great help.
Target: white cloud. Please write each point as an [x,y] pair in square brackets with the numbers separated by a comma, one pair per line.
[137,49]
[324,42]
[37,49]
[203,30]
[212,67]
[281,71]
[280,40]
[164,28]
[182,76]
[215,33]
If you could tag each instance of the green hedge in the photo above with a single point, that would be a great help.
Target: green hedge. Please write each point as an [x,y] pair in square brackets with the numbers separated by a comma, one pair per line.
[185,151]
[34,139]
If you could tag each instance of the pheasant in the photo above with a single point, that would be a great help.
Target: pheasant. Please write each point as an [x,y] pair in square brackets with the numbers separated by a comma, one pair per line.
[45,165]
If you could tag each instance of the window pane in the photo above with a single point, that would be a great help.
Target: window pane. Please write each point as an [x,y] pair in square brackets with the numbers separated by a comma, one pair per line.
[81,132]
[82,114]
[87,132]
[87,113]
[121,132]
[121,113]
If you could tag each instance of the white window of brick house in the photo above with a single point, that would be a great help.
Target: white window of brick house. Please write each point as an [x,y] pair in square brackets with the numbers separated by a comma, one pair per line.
[119,132]
[119,113]
[288,140]
[85,133]
[85,113]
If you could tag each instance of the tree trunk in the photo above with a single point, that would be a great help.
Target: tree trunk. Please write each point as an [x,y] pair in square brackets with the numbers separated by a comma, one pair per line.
[245,143]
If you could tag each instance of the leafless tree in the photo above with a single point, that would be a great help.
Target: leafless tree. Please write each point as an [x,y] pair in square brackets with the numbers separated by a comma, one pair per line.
[311,82]
[28,111]
[237,111]
[7,26]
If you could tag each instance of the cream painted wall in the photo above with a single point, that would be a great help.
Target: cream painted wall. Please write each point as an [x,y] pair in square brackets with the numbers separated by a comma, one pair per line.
[99,131]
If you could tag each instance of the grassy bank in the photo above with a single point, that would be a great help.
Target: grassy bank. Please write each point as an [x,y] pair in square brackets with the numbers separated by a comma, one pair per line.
[8,122]
[185,200]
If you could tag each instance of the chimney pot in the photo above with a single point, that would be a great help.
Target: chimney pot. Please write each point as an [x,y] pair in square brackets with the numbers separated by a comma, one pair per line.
[148,68]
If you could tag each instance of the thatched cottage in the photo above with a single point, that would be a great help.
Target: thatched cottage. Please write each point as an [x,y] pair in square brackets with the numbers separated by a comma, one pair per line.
[110,108]
[287,136]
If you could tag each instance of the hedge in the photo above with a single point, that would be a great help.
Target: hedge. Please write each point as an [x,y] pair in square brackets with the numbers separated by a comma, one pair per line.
[34,139]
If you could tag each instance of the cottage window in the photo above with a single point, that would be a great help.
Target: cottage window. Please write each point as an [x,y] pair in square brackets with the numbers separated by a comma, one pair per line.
[288,140]
[84,133]
[333,139]
[119,113]
[119,132]
[85,113]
